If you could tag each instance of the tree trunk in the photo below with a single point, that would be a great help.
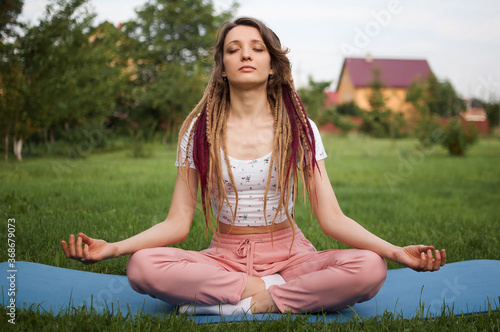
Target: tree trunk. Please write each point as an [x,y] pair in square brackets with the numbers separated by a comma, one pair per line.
[18,146]
[6,148]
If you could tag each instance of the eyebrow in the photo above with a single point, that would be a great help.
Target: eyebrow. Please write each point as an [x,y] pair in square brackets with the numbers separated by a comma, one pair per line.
[253,41]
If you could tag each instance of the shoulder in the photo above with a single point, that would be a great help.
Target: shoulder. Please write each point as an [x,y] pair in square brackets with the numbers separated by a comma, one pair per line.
[313,124]
[318,142]
[315,129]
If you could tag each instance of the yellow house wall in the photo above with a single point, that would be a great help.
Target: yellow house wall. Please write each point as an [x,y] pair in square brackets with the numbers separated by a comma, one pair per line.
[346,91]
[395,98]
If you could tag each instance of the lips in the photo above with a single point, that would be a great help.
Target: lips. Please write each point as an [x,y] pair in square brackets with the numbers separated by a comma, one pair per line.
[247,68]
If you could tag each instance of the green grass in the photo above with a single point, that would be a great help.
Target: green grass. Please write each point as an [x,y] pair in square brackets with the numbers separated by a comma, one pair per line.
[401,194]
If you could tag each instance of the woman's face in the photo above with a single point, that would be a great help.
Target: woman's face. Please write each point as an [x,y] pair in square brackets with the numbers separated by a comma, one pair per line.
[246,60]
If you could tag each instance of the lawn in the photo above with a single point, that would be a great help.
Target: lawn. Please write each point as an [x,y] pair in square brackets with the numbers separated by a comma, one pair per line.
[400,193]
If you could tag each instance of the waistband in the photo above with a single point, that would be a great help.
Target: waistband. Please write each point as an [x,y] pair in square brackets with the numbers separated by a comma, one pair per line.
[275,237]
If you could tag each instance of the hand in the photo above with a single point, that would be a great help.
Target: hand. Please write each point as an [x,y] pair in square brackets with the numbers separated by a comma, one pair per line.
[419,258]
[87,250]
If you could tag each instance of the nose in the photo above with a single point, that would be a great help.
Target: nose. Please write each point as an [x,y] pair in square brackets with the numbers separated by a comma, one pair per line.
[245,54]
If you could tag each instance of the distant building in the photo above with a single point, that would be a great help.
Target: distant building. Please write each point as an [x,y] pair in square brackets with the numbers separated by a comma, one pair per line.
[396,76]
[331,99]
[475,114]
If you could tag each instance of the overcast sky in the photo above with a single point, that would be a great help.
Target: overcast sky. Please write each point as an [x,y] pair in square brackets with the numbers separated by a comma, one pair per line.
[460,39]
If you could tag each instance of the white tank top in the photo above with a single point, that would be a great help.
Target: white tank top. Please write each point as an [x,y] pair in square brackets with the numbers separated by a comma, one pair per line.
[250,178]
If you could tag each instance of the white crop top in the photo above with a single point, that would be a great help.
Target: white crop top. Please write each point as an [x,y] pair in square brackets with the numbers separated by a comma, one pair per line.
[251,179]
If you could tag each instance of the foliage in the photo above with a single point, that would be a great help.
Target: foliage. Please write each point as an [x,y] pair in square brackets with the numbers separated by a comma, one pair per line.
[385,123]
[58,77]
[9,11]
[313,97]
[349,108]
[459,136]
[381,121]
[428,130]
[492,109]
[171,42]
[10,92]
[432,96]
[343,122]
[342,115]
[64,73]
[376,98]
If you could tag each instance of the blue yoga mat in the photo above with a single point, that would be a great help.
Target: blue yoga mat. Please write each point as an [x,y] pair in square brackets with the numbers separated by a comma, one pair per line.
[459,288]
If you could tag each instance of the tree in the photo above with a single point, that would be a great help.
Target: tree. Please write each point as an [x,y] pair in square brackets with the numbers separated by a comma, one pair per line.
[492,109]
[459,136]
[439,98]
[172,41]
[427,123]
[10,95]
[9,11]
[9,67]
[313,97]
[376,98]
[432,99]
[381,121]
[58,76]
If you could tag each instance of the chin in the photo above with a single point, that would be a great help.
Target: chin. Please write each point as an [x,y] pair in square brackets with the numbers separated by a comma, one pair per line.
[248,84]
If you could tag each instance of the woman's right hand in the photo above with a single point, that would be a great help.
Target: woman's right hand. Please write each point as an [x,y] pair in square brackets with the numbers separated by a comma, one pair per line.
[88,250]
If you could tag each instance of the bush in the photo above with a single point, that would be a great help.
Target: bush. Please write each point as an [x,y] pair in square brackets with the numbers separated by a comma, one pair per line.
[382,124]
[139,147]
[426,128]
[458,137]
[340,121]
[344,123]
[349,108]
[73,141]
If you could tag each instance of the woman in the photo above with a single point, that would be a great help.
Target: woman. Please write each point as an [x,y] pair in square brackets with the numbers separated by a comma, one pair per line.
[246,145]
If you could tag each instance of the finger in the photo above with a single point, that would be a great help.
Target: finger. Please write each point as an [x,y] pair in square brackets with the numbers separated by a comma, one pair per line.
[85,238]
[88,256]
[423,261]
[430,260]
[437,262]
[86,253]
[64,246]
[424,248]
[79,248]
[71,242]
[443,257]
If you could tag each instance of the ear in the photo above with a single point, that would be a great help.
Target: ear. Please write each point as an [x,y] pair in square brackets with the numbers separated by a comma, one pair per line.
[224,74]
[271,71]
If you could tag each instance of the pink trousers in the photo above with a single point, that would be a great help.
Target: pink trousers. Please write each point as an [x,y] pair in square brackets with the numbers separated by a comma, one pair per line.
[327,280]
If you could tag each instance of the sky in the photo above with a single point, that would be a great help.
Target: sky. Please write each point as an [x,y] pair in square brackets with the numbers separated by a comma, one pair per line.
[459,39]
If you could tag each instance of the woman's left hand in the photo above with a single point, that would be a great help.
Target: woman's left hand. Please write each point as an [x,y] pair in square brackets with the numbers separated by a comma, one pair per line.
[421,258]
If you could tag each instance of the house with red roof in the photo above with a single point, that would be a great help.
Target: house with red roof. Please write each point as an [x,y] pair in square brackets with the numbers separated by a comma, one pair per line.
[396,75]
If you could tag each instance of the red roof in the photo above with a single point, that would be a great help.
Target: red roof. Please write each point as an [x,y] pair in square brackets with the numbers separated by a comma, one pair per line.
[395,73]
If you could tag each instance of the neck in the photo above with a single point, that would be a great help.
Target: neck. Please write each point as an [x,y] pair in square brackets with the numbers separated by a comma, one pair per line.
[248,104]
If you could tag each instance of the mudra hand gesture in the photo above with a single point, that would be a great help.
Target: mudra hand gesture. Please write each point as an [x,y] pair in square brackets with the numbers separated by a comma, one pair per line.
[420,258]
[87,250]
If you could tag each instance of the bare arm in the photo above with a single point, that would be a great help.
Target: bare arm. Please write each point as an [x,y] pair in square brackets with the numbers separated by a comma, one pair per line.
[335,224]
[173,229]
